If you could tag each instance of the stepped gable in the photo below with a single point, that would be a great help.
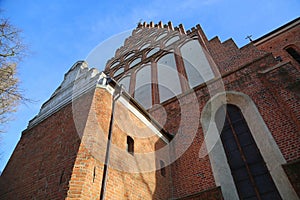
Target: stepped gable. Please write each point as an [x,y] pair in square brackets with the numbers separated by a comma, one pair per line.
[150,39]
[154,39]
[229,57]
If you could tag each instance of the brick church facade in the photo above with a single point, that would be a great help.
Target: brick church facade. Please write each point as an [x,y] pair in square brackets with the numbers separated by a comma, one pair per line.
[174,116]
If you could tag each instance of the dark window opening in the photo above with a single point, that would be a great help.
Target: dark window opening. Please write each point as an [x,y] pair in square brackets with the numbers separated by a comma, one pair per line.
[248,169]
[130,145]
[294,54]
[61,180]
[94,174]
[162,168]
[278,58]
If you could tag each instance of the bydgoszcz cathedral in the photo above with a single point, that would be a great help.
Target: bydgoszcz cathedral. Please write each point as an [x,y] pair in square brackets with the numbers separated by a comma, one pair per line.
[173,116]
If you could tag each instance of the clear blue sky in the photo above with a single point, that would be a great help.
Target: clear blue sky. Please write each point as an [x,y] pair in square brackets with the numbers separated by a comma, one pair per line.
[60,32]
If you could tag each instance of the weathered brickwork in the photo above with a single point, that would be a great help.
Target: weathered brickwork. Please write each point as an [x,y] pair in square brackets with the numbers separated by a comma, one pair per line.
[56,165]
[62,156]
[257,74]
[42,163]
[87,173]
[279,40]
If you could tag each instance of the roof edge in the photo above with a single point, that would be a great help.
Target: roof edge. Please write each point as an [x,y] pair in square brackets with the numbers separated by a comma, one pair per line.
[278,30]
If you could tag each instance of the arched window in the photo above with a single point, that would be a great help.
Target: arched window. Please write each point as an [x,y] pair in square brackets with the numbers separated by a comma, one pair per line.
[293,53]
[134,62]
[144,46]
[143,87]
[125,81]
[196,64]
[153,51]
[130,145]
[172,40]
[114,64]
[249,171]
[129,55]
[168,77]
[119,71]
[151,33]
[161,36]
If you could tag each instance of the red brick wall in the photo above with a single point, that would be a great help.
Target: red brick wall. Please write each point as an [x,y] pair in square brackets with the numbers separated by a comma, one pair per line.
[191,174]
[283,87]
[50,162]
[42,162]
[121,184]
[228,57]
[277,44]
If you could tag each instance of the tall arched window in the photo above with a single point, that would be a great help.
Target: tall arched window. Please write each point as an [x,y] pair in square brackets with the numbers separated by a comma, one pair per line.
[249,171]
[143,87]
[125,81]
[168,77]
[196,64]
